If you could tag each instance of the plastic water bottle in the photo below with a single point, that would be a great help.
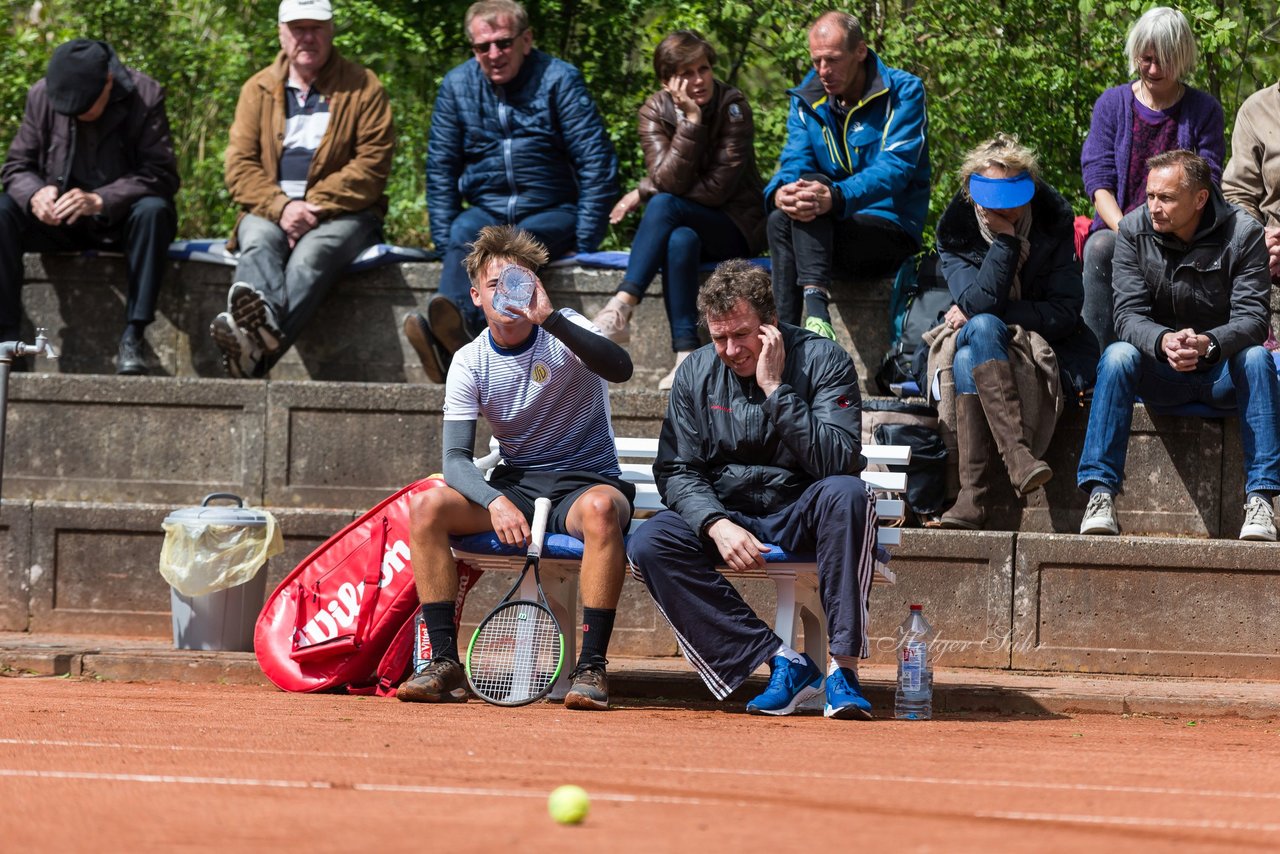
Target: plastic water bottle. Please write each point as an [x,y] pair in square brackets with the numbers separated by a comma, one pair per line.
[913,701]
[515,290]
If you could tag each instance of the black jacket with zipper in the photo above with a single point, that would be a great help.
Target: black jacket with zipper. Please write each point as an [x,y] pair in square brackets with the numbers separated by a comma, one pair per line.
[724,446]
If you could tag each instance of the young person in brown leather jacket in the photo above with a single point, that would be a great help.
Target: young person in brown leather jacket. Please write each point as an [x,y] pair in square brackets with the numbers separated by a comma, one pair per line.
[702,194]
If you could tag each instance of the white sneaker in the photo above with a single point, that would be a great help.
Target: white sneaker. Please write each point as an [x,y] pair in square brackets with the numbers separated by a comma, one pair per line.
[614,320]
[666,382]
[1100,515]
[1259,520]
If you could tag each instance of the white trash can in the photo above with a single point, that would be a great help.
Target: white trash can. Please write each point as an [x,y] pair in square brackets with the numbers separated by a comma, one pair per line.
[212,558]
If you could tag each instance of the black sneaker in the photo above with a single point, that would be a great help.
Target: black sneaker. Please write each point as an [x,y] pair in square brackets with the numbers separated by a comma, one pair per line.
[129,361]
[435,359]
[590,689]
[438,682]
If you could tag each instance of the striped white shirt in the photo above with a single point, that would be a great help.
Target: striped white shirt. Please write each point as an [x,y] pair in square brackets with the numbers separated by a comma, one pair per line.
[547,410]
[306,120]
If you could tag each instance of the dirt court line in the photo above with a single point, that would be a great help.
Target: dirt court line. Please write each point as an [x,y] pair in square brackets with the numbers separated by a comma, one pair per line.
[1133,821]
[817,776]
[625,798]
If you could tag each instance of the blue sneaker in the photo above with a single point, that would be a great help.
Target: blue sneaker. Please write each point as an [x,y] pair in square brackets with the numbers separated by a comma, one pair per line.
[844,697]
[790,685]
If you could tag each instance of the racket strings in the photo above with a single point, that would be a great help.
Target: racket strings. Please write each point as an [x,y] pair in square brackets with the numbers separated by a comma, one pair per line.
[516,654]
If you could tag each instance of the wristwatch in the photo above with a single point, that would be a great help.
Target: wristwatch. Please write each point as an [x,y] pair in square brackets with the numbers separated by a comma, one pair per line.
[1211,351]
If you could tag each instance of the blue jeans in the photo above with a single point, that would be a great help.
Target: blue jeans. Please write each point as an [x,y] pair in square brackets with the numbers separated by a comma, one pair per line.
[984,338]
[555,229]
[676,236]
[1247,380]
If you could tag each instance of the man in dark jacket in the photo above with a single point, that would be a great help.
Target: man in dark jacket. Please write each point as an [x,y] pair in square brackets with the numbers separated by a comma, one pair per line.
[307,161]
[92,167]
[1191,289]
[760,444]
[516,137]
[852,187]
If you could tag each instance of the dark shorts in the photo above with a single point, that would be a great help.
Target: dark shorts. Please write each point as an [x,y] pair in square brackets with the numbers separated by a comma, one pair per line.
[523,486]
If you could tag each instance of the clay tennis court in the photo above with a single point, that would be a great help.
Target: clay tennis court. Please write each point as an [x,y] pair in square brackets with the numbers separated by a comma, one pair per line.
[111,766]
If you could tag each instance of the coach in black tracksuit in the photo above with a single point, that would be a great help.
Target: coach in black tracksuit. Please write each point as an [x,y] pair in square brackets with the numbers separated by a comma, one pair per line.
[760,444]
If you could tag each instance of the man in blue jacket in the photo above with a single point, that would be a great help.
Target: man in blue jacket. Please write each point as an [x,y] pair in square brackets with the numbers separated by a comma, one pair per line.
[516,136]
[852,188]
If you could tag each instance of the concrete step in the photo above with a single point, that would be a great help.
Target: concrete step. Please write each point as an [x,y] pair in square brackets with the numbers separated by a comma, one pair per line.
[355,335]
[956,690]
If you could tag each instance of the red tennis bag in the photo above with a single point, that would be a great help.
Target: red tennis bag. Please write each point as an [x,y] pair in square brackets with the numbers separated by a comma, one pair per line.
[344,617]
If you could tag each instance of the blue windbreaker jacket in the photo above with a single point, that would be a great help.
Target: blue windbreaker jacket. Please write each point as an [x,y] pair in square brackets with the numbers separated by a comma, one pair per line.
[878,161]
[535,144]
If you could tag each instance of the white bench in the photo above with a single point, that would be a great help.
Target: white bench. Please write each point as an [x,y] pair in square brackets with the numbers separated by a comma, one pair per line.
[799,602]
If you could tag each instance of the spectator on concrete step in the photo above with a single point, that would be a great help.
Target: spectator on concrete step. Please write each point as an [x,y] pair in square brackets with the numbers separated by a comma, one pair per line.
[515,139]
[308,161]
[852,188]
[1252,177]
[91,167]
[701,196]
[1007,247]
[1131,123]
[1192,286]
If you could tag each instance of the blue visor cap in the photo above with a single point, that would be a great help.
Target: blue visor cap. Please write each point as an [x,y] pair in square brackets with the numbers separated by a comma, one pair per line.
[1002,193]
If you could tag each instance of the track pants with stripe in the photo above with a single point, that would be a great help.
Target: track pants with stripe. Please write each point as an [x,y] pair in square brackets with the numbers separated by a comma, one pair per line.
[717,631]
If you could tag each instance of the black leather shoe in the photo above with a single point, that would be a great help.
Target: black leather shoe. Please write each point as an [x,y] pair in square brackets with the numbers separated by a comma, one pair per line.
[129,359]
[435,359]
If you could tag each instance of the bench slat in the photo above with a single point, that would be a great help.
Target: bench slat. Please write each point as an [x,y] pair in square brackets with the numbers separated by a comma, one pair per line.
[647,449]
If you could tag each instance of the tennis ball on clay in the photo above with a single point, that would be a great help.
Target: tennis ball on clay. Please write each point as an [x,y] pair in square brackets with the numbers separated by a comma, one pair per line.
[569,804]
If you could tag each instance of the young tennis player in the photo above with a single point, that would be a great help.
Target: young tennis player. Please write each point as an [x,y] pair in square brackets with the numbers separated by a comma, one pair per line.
[540,377]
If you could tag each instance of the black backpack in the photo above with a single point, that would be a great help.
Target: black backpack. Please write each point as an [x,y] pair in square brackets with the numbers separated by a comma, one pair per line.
[927,303]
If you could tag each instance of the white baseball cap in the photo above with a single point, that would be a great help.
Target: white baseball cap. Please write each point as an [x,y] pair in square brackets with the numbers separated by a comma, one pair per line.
[305,10]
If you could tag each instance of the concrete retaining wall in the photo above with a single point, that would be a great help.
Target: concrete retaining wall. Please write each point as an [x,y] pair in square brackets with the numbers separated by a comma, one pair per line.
[93,462]
[355,335]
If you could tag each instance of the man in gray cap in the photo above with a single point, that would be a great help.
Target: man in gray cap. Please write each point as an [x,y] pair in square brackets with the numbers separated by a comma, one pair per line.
[308,161]
[92,167]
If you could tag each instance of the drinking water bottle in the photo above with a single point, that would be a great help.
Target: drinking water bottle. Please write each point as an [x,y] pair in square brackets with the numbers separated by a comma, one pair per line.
[913,701]
[515,288]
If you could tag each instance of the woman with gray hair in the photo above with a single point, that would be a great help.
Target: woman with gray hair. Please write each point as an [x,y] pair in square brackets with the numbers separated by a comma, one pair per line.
[1132,122]
[1006,244]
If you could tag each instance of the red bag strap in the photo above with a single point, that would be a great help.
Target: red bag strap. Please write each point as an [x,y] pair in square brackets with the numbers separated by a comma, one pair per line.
[372,575]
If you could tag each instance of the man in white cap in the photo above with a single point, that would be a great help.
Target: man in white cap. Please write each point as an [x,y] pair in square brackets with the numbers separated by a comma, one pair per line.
[308,161]
[91,167]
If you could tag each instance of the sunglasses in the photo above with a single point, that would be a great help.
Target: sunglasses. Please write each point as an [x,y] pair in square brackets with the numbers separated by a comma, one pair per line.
[503,45]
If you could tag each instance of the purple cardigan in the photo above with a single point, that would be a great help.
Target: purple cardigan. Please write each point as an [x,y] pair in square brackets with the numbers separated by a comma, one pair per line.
[1105,156]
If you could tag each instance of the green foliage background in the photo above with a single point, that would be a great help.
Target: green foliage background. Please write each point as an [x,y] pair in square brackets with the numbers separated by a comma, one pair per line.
[1033,67]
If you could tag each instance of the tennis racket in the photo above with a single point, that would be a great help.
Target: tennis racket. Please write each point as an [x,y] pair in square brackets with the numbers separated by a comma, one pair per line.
[517,651]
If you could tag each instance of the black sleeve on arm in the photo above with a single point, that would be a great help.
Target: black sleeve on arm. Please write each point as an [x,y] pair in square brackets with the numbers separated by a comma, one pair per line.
[460,470]
[599,354]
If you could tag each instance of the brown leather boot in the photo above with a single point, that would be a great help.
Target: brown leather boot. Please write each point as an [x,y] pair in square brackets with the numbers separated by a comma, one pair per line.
[973,443]
[999,395]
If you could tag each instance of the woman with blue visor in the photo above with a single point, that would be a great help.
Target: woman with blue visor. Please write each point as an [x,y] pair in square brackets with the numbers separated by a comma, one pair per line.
[1006,244]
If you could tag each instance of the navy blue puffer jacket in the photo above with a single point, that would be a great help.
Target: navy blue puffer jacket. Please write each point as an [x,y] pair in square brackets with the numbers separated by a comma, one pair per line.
[535,144]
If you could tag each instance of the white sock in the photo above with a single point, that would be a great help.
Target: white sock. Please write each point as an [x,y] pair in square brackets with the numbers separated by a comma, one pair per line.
[789,654]
[848,662]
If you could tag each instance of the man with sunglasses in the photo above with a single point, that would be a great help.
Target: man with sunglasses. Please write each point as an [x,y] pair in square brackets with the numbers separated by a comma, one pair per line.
[515,140]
